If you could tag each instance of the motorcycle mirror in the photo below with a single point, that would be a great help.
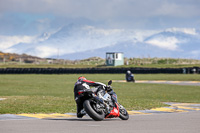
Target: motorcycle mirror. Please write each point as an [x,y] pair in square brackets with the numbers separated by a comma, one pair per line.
[110,82]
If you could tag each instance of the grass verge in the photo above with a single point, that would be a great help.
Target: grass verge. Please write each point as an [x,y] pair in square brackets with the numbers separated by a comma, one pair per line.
[54,93]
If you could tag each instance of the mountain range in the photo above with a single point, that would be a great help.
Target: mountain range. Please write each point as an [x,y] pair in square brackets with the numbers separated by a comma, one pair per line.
[83,41]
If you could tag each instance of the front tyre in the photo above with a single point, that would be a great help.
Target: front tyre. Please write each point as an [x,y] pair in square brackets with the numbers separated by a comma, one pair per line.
[123,114]
[90,109]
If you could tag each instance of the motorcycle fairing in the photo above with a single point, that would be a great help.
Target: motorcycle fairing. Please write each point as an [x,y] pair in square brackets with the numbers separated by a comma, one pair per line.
[114,112]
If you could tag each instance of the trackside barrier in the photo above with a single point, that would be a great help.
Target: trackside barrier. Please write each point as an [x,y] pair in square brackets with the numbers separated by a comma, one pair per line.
[98,70]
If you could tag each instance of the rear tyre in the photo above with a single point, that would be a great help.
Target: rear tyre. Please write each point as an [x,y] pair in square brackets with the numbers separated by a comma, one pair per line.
[89,108]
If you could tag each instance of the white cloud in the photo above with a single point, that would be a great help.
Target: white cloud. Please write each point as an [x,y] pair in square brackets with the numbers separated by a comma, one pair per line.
[8,41]
[78,38]
[105,32]
[191,31]
[45,51]
[169,43]
[86,38]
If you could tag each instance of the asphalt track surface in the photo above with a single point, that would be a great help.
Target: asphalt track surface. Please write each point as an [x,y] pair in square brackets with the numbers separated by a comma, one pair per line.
[185,122]
[177,118]
[193,83]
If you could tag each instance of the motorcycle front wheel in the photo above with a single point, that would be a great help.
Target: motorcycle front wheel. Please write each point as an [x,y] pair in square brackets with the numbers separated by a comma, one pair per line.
[92,112]
[123,114]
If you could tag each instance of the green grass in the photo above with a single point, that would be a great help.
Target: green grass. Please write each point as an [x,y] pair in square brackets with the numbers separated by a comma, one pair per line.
[95,65]
[160,65]
[54,93]
[26,65]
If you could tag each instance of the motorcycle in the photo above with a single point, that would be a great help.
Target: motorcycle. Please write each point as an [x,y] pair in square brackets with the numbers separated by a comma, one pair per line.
[99,104]
[130,78]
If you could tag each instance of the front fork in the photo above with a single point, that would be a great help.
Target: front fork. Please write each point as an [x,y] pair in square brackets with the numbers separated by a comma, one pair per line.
[121,108]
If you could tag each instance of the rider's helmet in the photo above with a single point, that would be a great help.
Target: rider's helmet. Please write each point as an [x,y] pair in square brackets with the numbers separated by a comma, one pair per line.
[128,72]
[81,78]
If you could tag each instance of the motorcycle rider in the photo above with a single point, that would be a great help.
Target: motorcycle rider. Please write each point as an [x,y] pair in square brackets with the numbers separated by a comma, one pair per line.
[83,84]
[129,76]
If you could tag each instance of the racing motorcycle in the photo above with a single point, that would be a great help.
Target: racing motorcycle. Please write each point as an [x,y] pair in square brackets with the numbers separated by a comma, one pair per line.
[99,104]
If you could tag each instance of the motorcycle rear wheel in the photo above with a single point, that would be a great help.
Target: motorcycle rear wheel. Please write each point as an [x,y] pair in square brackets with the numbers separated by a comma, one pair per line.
[97,116]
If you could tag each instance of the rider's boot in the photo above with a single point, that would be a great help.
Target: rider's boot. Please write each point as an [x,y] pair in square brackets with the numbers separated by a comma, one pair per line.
[81,113]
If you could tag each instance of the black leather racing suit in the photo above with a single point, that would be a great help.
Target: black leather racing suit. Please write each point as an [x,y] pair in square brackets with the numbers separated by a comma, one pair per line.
[82,85]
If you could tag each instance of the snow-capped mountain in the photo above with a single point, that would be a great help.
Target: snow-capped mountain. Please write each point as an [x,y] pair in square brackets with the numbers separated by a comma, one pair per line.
[83,41]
